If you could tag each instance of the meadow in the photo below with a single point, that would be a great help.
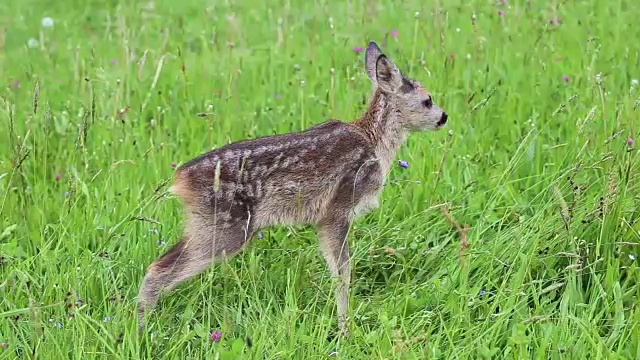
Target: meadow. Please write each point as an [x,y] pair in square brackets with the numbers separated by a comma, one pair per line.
[512,234]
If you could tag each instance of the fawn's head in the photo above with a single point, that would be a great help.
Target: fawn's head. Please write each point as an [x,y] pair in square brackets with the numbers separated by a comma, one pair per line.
[418,112]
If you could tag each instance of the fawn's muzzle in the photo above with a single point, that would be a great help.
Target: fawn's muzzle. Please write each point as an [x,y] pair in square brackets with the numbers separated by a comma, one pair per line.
[443,119]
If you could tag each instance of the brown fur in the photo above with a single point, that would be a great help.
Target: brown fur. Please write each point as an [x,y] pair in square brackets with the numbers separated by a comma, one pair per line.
[327,176]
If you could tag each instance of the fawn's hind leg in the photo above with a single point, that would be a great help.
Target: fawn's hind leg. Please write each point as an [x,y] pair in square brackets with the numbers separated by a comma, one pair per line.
[332,234]
[198,248]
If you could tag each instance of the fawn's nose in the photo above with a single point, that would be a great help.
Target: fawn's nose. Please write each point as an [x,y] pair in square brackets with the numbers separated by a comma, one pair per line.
[443,119]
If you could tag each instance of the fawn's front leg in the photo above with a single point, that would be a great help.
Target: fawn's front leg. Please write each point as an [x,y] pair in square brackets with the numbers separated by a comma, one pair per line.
[333,236]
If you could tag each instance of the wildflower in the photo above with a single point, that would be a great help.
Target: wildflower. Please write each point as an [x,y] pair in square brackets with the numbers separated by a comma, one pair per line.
[107,319]
[632,257]
[215,336]
[4,345]
[32,43]
[58,176]
[113,61]
[500,12]
[163,243]
[47,22]
[155,231]
[630,142]
[482,292]
[57,324]
[260,236]
[403,164]
[357,50]
[565,78]
[634,82]
[15,84]
[66,194]
[394,33]
[173,165]
[555,21]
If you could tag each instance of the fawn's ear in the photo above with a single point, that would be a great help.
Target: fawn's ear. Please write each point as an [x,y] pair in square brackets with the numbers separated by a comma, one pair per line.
[382,71]
[370,60]
[388,75]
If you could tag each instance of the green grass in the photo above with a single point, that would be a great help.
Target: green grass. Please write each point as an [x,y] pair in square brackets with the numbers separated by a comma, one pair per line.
[538,168]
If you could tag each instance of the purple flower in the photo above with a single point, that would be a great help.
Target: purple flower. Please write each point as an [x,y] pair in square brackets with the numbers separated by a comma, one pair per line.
[630,142]
[403,164]
[114,61]
[482,292]
[500,12]
[260,236]
[173,165]
[565,78]
[15,84]
[215,336]
[58,176]
[555,21]
[394,33]
[357,50]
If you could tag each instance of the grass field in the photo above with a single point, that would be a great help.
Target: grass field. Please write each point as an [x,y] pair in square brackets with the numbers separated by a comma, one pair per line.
[538,167]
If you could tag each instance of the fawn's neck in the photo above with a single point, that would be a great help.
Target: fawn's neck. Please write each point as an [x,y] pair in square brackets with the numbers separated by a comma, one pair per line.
[383,127]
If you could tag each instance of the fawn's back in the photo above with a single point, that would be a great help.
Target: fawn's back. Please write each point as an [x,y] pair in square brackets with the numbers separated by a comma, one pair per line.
[291,179]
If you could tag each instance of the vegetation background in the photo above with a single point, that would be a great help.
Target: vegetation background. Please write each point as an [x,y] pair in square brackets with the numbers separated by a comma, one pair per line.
[512,234]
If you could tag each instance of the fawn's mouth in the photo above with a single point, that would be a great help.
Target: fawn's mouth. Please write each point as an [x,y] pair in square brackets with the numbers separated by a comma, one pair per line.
[443,120]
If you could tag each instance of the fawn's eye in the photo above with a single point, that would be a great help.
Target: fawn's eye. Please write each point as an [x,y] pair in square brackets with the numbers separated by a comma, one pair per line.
[428,103]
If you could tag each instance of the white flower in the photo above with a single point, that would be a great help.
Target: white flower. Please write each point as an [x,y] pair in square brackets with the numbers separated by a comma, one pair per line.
[634,82]
[32,43]
[47,22]
[632,257]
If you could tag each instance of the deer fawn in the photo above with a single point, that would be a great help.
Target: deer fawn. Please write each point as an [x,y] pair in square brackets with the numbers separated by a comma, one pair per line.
[327,176]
